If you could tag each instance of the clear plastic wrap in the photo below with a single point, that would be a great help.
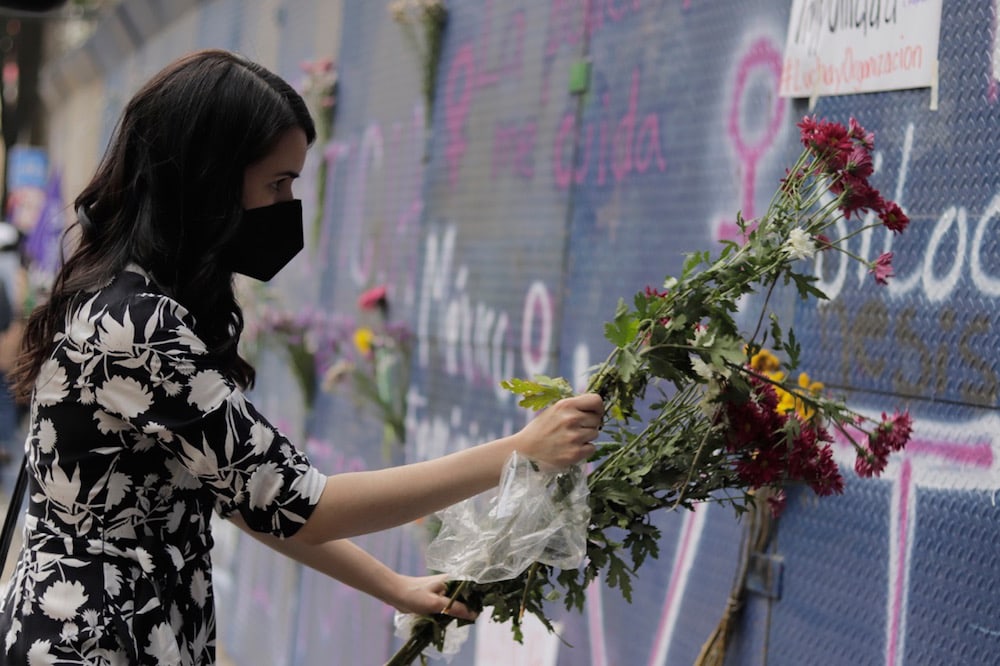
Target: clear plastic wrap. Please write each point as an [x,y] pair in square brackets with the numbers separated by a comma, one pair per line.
[535,516]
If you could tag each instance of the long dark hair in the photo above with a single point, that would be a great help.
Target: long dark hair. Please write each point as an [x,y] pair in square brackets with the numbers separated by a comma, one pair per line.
[167,196]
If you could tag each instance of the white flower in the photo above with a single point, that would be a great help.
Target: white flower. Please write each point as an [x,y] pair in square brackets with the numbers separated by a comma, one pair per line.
[46,436]
[39,655]
[171,388]
[112,580]
[62,599]
[163,646]
[69,632]
[264,485]
[800,244]
[261,437]
[124,396]
[199,588]
[52,384]
[208,390]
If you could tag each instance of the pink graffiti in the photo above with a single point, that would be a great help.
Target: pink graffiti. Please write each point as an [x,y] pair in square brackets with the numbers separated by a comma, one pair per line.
[568,25]
[385,168]
[514,149]
[457,102]
[536,346]
[687,548]
[977,455]
[471,71]
[761,55]
[633,147]
[897,595]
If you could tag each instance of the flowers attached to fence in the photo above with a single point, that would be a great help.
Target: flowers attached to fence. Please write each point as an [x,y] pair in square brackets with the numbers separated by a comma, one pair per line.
[377,371]
[698,410]
[423,23]
[319,90]
[311,341]
[366,357]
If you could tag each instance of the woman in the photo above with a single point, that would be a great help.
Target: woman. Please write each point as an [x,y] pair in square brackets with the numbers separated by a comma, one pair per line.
[139,426]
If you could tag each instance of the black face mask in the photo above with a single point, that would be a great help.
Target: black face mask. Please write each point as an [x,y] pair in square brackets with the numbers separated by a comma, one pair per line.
[267,239]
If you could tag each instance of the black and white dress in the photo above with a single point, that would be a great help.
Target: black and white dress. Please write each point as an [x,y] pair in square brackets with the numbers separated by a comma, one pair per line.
[135,438]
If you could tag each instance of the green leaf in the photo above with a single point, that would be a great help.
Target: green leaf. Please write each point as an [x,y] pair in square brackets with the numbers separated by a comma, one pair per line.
[806,288]
[628,364]
[624,328]
[619,576]
[540,393]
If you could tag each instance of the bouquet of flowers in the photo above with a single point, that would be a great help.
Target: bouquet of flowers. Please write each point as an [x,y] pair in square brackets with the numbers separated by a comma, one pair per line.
[698,410]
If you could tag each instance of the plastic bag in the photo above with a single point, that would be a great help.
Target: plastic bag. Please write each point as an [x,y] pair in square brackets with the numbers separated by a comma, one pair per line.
[535,516]
[454,638]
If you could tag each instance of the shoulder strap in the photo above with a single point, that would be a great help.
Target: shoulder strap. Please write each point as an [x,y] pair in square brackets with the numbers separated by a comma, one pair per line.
[13,512]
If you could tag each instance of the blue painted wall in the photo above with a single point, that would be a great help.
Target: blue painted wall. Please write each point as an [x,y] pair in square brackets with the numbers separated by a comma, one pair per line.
[509,224]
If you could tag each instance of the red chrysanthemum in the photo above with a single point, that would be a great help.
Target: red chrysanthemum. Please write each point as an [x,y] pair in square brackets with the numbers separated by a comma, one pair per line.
[893,217]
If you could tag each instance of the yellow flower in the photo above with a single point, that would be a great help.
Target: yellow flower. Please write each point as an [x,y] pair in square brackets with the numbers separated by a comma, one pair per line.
[811,387]
[786,401]
[363,338]
[765,361]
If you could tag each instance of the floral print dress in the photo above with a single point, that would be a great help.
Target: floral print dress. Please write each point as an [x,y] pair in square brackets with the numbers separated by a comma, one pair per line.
[135,438]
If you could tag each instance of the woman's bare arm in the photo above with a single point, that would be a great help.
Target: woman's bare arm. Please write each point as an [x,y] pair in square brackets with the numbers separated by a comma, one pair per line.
[353,566]
[362,502]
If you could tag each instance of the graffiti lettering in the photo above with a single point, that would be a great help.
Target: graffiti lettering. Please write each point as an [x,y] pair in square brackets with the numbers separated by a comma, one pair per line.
[535,346]
[369,171]
[470,72]
[858,328]
[435,435]
[473,334]
[570,21]
[514,149]
[635,145]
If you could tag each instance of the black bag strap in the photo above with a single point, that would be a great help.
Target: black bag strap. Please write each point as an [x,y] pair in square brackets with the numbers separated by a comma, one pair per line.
[13,511]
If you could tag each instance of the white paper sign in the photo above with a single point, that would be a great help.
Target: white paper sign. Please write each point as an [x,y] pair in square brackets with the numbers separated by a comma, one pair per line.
[837,47]
[495,644]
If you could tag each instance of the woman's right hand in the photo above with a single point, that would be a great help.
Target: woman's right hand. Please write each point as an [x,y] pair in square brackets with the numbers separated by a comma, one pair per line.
[562,434]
